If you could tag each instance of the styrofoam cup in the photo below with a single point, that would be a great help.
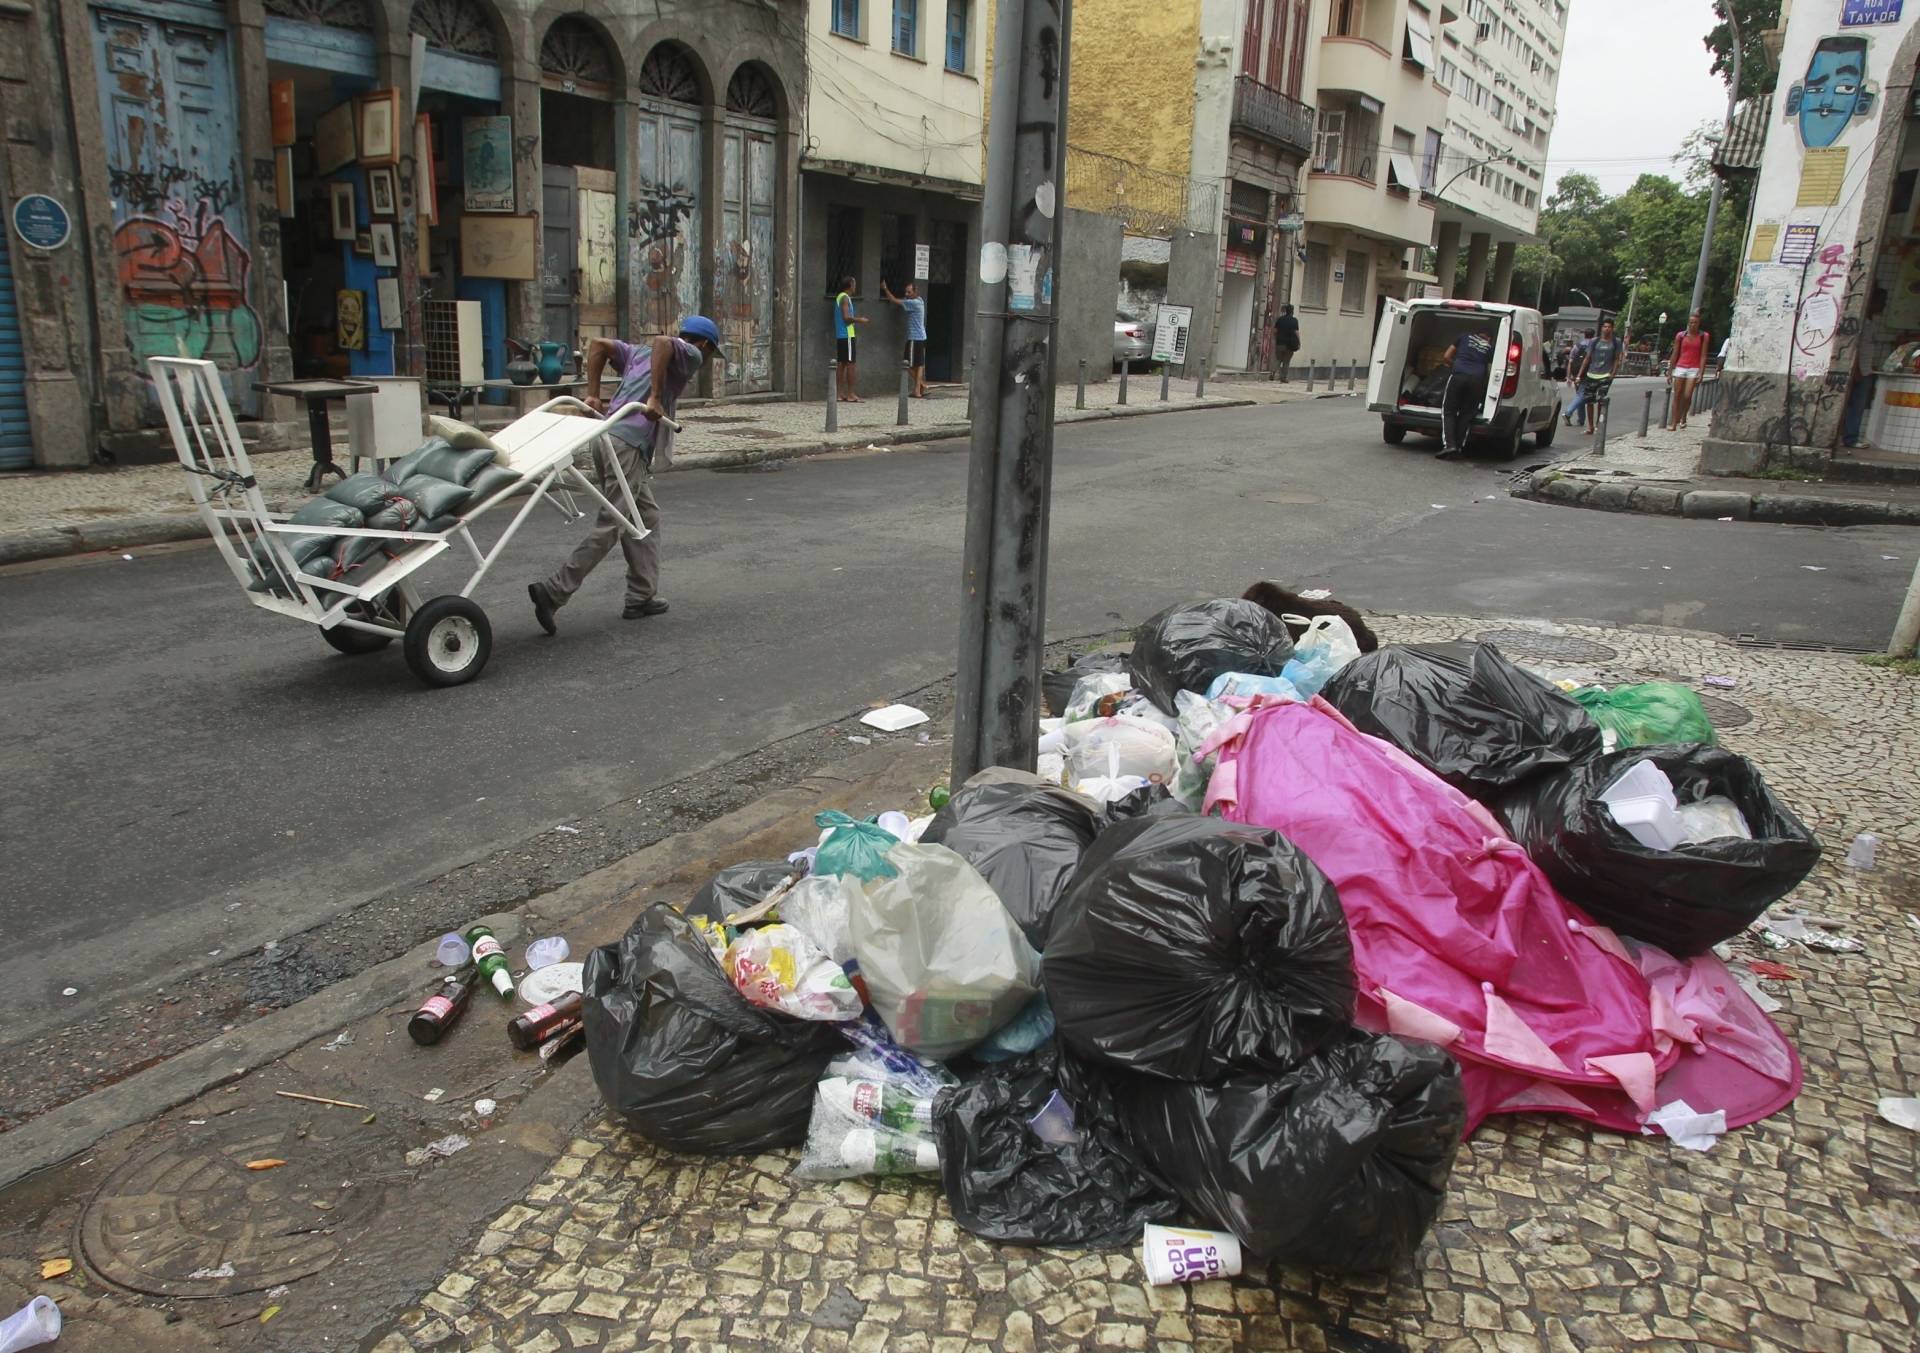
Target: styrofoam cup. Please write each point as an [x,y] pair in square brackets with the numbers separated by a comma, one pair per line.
[1172,1254]
[36,1323]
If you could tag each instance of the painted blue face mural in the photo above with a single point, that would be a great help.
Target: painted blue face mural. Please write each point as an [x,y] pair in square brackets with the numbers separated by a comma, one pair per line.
[1833,93]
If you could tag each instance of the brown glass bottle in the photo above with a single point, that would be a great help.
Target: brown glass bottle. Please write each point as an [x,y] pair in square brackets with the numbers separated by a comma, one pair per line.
[442,1010]
[529,1030]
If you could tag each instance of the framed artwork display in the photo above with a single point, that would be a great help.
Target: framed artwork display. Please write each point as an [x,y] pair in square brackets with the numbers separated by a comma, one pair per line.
[387,295]
[379,127]
[384,255]
[335,140]
[283,182]
[486,153]
[350,320]
[363,244]
[340,196]
[380,201]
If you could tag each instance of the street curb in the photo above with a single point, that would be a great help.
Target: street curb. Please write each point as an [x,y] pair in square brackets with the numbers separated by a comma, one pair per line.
[125,533]
[74,1127]
[1675,499]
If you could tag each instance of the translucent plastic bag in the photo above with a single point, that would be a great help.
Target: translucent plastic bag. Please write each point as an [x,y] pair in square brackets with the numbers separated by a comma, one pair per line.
[1139,746]
[1091,690]
[817,908]
[779,968]
[856,848]
[943,961]
[868,1127]
[1649,714]
[1326,647]
[1198,718]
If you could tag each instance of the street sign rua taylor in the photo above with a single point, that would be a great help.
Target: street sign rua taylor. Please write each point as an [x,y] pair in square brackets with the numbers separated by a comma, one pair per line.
[41,222]
[1858,13]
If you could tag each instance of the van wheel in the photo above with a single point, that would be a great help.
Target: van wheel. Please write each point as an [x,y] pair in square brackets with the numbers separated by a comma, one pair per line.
[1392,433]
[1510,445]
[1544,437]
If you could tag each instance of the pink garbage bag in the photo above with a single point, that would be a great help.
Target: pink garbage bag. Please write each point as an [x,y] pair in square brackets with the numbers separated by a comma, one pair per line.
[1458,938]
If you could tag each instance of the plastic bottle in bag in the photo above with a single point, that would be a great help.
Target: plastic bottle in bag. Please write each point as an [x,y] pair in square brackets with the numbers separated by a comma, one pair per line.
[890,1105]
[866,1151]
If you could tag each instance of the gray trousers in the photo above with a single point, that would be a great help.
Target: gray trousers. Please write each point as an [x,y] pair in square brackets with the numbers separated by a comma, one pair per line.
[643,556]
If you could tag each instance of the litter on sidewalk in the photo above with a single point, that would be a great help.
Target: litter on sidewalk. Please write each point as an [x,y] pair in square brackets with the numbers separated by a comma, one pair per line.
[1276,924]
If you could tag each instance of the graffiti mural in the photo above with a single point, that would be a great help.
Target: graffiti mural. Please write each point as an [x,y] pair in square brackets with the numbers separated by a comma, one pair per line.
[1834,91]
[663,223]
[180,237]
[1818,320]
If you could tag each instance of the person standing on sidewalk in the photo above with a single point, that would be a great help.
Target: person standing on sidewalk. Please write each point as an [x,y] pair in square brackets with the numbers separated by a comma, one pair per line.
[1597,370]
[652,375]
[1685,365]
[914,307]
[1286,342]
[1469,363]
[1579,355]
[846,340]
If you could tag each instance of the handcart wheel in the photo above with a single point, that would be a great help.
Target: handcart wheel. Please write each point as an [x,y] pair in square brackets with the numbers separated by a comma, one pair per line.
[448,641]
[355,642]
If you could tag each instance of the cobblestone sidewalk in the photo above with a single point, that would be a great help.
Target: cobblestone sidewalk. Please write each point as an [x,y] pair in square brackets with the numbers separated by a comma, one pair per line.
[1799,1232]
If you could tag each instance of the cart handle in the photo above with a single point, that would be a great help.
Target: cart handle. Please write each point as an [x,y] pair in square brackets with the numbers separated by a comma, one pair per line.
[564,401]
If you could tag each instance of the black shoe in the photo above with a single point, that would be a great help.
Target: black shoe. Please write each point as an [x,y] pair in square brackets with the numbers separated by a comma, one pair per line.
[542,608]
[640,610]
[1448,453]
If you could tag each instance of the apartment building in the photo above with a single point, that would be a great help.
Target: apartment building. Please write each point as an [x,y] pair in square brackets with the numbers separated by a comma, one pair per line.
[1500,60]
[1380,133]
[891,172]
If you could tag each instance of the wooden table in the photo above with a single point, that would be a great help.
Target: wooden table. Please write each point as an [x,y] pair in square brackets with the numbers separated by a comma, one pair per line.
[317,394]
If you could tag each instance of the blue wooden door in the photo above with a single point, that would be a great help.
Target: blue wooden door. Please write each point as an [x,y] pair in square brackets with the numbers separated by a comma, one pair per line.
[743,283]
[667,220]
[179,201]
[16,438]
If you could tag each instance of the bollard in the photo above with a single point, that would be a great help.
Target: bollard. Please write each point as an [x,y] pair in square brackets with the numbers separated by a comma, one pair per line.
[1309,375]
[1646,415]
[1080,390]
[1353,374]
[969,379]
[1125,367]
[833,394]
[906,391]
[1600,422]
[1166,380]
[1200,386]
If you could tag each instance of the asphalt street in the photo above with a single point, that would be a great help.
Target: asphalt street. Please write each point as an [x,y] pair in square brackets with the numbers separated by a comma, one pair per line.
[189,777]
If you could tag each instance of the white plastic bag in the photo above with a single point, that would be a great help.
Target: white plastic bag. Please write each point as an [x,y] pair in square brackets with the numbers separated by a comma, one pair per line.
[1329,632]
[1089,691]
[778,967]
[817,908]
[943,962]
[1199,717]
[1142,748]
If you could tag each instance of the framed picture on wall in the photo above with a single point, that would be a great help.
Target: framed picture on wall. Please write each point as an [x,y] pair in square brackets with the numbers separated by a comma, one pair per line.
[280,105]
[350,320]
[363,244]
[384,255]
[426,176]
[380,127]
[387,296]
[335,140]
[283,182]
[340,197]
[486,155]
[380,192]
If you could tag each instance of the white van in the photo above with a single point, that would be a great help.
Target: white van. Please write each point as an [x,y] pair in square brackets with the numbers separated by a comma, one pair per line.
[1408,378]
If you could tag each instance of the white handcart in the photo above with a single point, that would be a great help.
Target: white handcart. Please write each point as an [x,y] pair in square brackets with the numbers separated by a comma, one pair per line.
[447,638]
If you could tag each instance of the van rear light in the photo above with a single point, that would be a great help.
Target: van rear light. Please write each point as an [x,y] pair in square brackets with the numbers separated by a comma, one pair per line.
[1512,382]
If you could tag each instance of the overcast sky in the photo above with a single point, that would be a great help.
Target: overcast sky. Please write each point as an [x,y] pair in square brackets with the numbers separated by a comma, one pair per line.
[1634,80]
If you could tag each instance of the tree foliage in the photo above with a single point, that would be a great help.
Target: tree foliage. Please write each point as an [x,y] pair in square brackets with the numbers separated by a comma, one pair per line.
[1756,17]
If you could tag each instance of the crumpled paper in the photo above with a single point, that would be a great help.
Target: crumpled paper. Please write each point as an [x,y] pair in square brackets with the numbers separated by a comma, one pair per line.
[1686,1126]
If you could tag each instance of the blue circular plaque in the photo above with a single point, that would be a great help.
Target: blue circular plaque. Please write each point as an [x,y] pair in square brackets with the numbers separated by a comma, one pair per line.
[41,221]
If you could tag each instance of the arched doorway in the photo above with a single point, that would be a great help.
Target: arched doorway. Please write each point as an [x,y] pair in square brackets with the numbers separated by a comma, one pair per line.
[667,195]
[579,81]
[749,169]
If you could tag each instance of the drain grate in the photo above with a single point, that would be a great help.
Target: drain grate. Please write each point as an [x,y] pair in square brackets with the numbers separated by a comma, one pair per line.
[1525,644]
[1725,713]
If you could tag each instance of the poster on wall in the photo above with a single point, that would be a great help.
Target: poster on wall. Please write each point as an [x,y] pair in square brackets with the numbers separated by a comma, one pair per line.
[500,246]
[1798,249]
[1822,174]
[486,153]
[1766,238]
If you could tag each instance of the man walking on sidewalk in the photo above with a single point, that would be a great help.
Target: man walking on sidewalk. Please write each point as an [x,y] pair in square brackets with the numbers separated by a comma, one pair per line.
[1286,342]
[652,375]
[1597,370]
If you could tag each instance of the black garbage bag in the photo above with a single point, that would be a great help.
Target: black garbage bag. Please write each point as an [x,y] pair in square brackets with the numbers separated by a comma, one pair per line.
[1193,947]
[1464,712]
[1026,841]
[1006,1183]
[1147,801]
[683,1057]
[1057,687]
[1685,900]
[1340,1163]
[738,887]
[1186,646]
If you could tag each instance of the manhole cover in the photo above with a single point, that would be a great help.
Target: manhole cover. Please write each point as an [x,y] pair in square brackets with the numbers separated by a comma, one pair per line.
[1724,713]
[1522,644]
[186,1218]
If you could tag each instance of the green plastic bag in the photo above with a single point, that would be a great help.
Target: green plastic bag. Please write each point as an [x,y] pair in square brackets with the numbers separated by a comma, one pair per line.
[857,848]
[1651,713]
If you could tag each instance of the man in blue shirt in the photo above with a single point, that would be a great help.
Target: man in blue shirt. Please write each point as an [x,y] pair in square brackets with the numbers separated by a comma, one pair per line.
[915,308]
[675,361]
[1469,362]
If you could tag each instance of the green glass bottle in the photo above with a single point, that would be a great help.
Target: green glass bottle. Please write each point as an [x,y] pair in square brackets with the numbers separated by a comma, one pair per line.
[490,957]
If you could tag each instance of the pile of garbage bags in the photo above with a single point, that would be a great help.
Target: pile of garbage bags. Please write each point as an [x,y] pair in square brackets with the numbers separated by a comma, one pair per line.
[1274,926]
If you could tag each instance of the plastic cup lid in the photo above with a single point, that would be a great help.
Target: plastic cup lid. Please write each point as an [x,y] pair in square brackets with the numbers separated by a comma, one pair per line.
[544,986]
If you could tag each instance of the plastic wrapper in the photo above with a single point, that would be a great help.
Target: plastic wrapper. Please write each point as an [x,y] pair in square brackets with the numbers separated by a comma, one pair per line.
[1120,746]
[874,1055]
[1185,647]
[779,968]
[1464,712]
[1192,948]
[852,847]
[1339,1163]
[1026,841]
[1057,687]
[1008,1183]
[1242,683]
[944,962]
[1648,714]
[1091,691]
[683,1057]
[1686,899]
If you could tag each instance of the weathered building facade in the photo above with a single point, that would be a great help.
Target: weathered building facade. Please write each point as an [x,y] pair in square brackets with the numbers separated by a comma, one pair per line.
[281,186]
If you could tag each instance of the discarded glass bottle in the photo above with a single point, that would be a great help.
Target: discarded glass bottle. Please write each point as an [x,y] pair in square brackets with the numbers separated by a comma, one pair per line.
[442,1010]
[530,1029]
[568,1035]
[490,957]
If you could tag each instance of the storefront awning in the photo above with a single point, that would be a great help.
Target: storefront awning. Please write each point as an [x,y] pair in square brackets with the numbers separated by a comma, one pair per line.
[1746,138]
[1404,175]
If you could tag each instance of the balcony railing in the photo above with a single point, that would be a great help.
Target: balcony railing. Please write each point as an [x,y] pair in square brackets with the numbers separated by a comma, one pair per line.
[1263,111]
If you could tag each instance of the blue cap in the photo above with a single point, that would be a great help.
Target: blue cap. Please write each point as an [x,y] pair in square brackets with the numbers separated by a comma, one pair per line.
[699,326]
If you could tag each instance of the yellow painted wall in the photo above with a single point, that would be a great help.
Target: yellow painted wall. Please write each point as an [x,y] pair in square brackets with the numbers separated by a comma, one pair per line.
[1131,91]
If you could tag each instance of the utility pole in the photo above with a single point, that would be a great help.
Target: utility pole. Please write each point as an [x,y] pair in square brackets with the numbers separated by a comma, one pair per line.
[1003,607]
[1719,184]
[1637,276]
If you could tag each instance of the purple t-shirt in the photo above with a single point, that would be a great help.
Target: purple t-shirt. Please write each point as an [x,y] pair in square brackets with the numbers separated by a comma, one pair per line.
[635,364]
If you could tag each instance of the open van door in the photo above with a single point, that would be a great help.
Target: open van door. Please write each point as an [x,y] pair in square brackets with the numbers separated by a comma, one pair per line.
[1497,374]
[1389,358]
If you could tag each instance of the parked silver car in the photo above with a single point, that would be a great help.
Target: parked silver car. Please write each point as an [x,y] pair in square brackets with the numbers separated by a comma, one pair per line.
[1132,340]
